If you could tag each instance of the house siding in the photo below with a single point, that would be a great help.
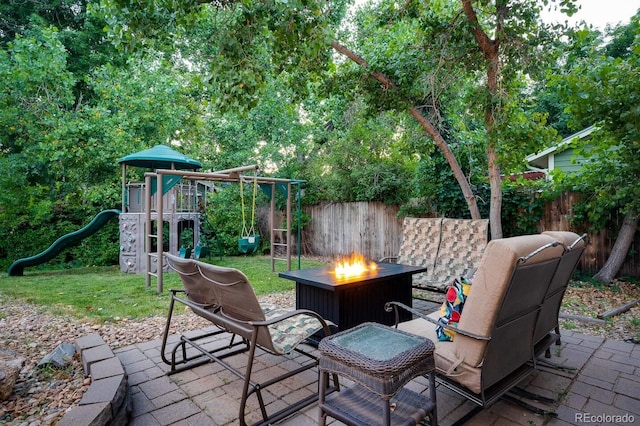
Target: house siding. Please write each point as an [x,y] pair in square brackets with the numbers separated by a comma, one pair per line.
[560,156]
[568,162]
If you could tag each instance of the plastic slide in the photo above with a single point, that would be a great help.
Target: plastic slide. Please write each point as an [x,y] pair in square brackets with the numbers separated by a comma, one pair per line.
[69,240]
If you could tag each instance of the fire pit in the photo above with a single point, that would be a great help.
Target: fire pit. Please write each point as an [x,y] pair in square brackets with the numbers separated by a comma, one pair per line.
[350,297]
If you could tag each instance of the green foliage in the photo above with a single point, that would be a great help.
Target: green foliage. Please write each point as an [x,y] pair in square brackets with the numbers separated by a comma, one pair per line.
[362,158]
[303,221]
[271,135]
[438,195]
[186,238]
[546,100]
[239,45]
[435,186]
[434,189]
[40,162]
[33,235]
[605,91]
[523,206]
[224,214]
[62,132]
[254,82]
[432,54]
[38,88]
[522,133]
[16,14]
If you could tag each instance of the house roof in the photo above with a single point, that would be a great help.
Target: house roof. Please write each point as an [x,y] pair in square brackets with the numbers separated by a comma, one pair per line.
[541,159]
[160,157]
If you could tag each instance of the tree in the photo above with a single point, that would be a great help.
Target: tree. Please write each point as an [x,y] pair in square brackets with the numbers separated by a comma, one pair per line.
[429,128]
[255,81]
[605,91]
[428,54]
[429,50]
[261,64]
[236,45]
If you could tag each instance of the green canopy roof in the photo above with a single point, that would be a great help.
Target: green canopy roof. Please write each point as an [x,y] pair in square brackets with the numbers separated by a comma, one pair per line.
[160,157]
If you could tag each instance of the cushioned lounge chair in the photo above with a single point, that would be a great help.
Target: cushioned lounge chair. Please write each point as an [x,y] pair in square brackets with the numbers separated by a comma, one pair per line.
[493,348]
[269,328]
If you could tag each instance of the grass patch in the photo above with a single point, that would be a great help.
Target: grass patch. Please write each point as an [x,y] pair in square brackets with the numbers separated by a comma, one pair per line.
[101,294]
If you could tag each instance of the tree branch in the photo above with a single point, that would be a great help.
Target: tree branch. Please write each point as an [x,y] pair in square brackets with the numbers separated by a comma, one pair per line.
[426,124]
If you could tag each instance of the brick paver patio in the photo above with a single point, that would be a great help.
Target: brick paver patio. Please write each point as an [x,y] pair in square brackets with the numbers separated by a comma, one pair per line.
[599,384]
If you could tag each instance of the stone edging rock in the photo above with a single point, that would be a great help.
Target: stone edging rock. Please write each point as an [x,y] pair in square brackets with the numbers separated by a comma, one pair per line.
[106,401]
[10,365]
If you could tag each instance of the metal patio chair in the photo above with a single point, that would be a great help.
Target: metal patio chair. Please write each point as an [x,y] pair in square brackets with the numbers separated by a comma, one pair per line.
[196,292]
[268,328]
[493,348]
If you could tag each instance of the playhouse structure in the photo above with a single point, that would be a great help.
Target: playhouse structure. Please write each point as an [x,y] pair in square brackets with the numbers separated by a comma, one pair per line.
[179,205]
[175,191]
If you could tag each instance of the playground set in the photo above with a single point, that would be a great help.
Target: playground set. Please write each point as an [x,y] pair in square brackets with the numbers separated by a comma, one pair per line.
[175,192]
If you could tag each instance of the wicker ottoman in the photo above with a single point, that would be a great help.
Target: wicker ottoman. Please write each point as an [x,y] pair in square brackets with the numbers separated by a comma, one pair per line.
[380,360]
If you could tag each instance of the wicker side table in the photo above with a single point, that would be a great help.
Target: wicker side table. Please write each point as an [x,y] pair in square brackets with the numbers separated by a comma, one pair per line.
[380,360]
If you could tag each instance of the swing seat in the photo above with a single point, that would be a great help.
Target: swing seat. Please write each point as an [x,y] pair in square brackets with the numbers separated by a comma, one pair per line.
[185,252]
[201,251]
[249,244]
[249,241]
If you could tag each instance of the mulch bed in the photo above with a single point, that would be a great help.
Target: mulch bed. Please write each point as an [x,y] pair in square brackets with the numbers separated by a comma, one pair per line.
[588,300]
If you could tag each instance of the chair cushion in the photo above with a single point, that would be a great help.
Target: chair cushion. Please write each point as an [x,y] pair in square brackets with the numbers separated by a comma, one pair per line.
[447,362]
[451,308]
[489,287]
[289,333]
[567,238]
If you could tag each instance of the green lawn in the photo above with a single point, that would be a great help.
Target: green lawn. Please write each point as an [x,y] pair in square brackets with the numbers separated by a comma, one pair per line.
[104,293]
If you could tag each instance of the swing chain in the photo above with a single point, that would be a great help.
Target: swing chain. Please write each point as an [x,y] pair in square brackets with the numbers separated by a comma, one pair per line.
[246,233]
[253,208]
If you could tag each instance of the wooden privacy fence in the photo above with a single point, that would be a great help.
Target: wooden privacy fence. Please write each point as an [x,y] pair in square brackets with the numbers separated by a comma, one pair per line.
[336,229]
[556,218]
[374,230]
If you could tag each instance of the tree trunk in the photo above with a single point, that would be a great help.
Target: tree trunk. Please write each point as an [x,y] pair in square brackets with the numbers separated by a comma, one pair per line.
[620,248]
[469,196]
[490,48]
[495,204]
[429,128]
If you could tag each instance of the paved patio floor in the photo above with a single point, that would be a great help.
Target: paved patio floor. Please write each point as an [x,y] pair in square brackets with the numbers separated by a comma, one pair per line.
[600,385]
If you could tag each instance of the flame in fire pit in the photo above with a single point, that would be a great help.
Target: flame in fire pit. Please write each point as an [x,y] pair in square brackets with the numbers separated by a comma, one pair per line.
[353,266]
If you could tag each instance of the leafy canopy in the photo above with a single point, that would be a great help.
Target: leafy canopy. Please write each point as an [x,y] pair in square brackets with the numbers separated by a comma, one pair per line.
[605,91]
[236,45]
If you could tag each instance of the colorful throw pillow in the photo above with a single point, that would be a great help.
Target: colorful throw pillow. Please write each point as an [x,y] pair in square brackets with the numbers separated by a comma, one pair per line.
[451,309]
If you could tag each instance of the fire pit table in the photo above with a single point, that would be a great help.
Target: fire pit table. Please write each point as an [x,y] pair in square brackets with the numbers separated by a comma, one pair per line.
[354,300]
